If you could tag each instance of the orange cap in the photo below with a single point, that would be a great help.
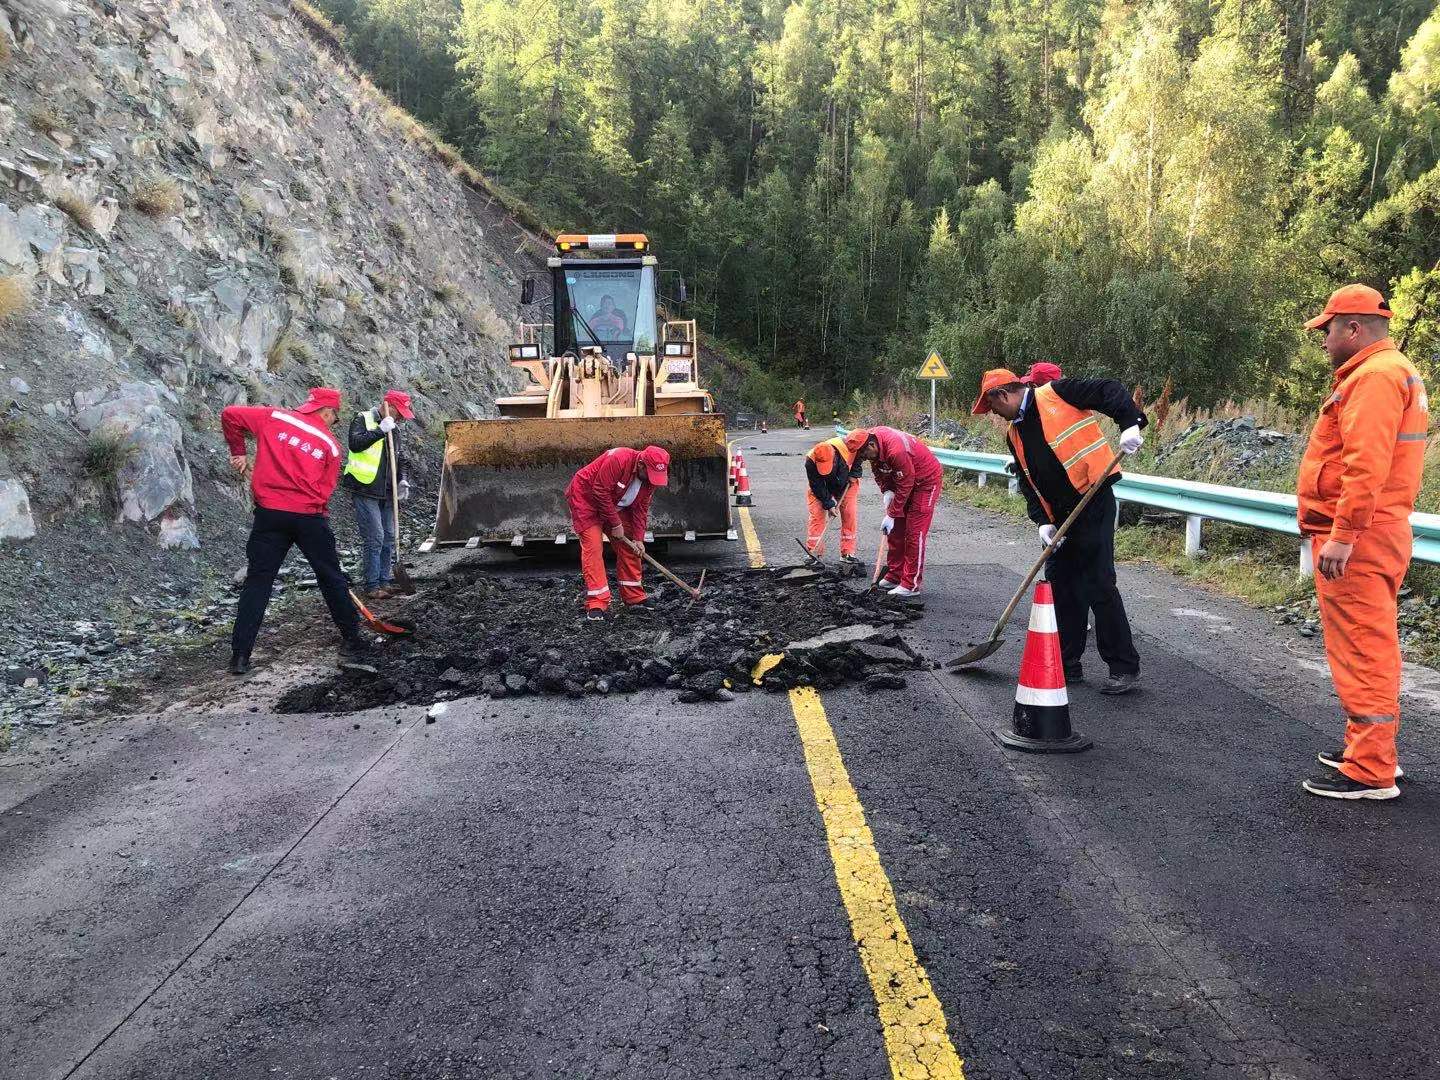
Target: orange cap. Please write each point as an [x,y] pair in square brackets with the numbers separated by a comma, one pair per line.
[995,377]
[855,441]
[1352,300]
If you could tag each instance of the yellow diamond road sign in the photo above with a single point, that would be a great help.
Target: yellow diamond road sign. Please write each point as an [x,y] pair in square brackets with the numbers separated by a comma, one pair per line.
[934,368]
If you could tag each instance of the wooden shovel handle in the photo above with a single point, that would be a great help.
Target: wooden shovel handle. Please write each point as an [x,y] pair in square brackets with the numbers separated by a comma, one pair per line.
[656,564]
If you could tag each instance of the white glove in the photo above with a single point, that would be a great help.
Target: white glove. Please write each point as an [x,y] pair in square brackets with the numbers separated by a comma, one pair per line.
[404,487]
[889,498]
[387,424]
[1131,440]
[1047,535]
[887,525]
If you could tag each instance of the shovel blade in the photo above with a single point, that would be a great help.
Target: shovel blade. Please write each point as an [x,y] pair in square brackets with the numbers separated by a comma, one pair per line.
[976,653]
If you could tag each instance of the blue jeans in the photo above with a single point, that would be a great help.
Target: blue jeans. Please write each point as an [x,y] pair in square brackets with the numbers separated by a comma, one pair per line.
[377,533]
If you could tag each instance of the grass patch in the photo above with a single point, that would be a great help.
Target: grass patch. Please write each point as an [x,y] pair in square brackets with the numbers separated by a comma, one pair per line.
[447,292]
[79,209]
[1258,567]
[13,427]
[105,454]
[16,291]
[398,231]
[287,347]
[157,197]
[45,120]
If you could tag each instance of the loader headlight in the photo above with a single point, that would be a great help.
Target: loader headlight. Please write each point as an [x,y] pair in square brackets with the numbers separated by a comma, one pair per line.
[524,352]
[679,348]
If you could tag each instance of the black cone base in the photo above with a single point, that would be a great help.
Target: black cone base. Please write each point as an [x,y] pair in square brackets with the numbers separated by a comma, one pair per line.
[1043,729]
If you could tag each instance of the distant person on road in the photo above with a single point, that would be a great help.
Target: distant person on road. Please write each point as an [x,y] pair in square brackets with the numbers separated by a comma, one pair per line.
[1041,373]
[1357,486]
[609,321]
[611,496]
[367,478]
[909,476]
[1060,452]
[800,420]
[297,465]
[832,471]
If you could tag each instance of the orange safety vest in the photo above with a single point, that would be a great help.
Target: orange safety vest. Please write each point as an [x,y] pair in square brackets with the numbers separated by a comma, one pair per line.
[1075,436]
[1367,452]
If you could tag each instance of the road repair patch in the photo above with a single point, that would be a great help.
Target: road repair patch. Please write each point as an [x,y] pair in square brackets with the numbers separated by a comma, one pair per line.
[479,634]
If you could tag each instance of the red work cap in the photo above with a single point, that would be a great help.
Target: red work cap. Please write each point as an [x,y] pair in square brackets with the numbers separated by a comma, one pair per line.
[1352,300]
[855,441]
[321,397]
[1042,373]
[657,465]
[991,380]
[401,403]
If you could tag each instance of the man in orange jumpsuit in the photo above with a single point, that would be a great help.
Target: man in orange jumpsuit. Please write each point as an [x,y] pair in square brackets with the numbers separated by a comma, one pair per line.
[1357,487]
[832,471]
[612,495]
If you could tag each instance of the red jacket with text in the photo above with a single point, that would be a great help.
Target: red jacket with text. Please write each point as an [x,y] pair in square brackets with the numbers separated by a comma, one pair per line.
[595,491]
[297,460]
[905,463]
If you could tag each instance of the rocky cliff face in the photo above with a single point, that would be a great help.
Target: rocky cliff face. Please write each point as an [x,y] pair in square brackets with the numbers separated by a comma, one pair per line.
[201,204]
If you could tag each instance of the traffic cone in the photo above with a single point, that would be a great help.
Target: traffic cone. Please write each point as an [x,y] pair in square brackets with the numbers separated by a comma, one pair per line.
[742,481]
[734,472]
[764,427]
[1042,707]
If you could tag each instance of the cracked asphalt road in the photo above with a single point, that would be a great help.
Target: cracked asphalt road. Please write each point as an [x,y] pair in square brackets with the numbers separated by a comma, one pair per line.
[637,888]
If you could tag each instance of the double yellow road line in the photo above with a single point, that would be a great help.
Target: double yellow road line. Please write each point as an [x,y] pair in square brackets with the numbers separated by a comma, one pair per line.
[911,1017]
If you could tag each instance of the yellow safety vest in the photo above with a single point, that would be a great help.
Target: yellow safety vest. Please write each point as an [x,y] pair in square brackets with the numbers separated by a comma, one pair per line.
[364,465]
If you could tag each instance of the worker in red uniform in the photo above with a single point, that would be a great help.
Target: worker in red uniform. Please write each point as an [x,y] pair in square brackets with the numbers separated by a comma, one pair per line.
[297,465]
[800,420]
[832,472]
[909,475]
[1356,489]
[611,496]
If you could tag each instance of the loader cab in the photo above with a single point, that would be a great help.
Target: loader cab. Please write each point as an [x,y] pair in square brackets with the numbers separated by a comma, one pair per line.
[607,302]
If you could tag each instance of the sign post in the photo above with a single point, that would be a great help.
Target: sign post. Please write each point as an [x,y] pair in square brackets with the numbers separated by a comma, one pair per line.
[934,370]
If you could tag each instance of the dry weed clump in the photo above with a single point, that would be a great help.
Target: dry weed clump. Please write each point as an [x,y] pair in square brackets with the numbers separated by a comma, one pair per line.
[46,120]
[288,347]
[157,197]
[16,291]
[79,209]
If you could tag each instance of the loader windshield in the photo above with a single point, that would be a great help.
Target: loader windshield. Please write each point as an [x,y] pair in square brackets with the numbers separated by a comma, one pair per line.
[607,305]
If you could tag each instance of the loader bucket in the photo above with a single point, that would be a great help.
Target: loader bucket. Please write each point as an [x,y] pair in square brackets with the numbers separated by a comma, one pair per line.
[504,479]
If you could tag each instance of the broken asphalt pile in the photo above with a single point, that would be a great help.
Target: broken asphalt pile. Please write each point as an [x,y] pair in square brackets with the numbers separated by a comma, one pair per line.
[509,637]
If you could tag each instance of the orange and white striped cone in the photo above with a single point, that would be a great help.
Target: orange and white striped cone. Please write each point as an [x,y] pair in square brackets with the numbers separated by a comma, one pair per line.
[742,481]
[1042,706]
[734,471]
[764,427]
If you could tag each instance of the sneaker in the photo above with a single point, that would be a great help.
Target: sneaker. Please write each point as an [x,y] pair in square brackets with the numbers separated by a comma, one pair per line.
[1120,684]
[1339,786]
[594,616]
[850,560]
[380,592]
[1335,758]
[900,590]
[239,664]
[886,584]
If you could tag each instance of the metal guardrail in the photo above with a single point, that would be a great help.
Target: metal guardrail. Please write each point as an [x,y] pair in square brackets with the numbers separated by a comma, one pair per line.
[1270,510]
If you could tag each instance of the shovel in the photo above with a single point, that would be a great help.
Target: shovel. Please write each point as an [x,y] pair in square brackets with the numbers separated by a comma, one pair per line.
[879,561]
[816,563]
[404,583]
[379,625]
[979,651]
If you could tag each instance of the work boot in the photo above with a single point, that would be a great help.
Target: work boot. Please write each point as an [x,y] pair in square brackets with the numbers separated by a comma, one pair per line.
[594,616]
[1335,758]
[357,649]
[1074,674]
[1339,786]
[1120,684]
[850,560]
[380,592]
[239,664]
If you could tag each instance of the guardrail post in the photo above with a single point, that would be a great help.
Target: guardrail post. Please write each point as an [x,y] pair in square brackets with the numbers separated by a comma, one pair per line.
[980,479]
[1193,522]
[1014,485]
[1307,558]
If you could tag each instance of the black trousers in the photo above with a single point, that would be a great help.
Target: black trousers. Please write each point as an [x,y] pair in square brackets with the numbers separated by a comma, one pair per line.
[1082,576]
[271,536]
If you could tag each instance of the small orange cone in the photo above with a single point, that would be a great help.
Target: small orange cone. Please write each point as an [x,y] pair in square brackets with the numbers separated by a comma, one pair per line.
[742,481]
[734,470]
[1042,706]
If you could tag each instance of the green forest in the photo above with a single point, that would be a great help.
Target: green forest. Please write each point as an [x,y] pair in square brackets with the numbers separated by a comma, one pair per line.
[1154,190]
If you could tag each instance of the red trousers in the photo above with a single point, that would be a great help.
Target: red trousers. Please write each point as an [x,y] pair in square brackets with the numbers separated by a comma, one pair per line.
[592,565]
[849,524]
[1359,615]
[905,559]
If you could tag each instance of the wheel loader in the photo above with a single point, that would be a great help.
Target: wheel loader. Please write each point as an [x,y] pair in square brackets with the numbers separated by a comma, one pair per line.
[607,369]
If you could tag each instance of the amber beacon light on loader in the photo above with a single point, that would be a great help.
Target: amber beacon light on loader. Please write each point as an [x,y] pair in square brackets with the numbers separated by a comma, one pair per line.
[607,368]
